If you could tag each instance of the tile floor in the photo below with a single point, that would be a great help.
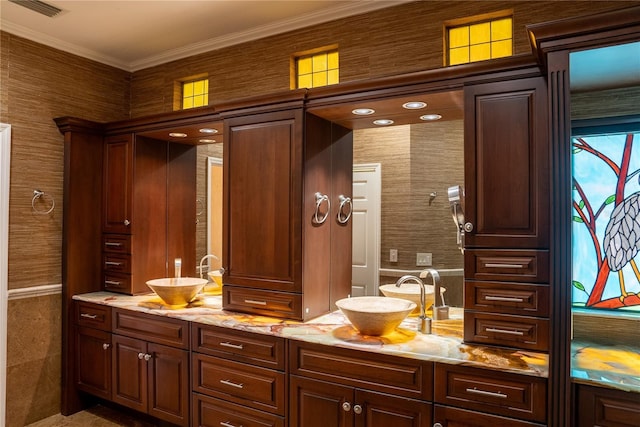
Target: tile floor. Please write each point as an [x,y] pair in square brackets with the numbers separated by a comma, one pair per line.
[98,416]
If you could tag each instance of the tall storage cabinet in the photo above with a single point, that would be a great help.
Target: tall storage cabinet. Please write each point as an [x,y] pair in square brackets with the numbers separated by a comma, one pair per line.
[506,256]
[286,252]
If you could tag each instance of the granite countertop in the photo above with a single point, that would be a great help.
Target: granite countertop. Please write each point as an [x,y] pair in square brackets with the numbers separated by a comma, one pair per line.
[608,366]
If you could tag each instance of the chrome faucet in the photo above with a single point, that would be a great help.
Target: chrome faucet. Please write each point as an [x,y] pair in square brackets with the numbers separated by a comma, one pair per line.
[425,322]
[440,310]
[202,261]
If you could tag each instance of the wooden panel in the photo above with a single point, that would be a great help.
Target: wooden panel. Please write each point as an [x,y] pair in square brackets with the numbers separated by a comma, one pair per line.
[507,265]
[129,373]
[255,301]
[511,298]
[92,315]
[256,387]
[210,412]
[507,164]
[319,404]
[115,263]
[168,374]
[386,410]
[93,365]
[117,282]
[530,333]
[399,376]
[456,417]
[118,181]
[257,349]
[161,330]
[116,243]
[500,393]
[596,406]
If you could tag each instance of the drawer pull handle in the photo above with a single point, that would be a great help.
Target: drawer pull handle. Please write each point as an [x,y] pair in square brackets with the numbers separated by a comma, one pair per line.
[505,331]
[230,345]
[255,302]
[231,383]
[505,299]
[113,263]
[89,316]
[487,393]
[105,346]
[228,424]
[498,265]
[116,244]
[112,282]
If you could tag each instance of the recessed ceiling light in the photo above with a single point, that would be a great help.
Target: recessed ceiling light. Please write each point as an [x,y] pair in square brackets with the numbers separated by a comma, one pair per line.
[208,130]
[414,105]
[363,111]
[431,117]
[383,122]
[207,141]
[178,135]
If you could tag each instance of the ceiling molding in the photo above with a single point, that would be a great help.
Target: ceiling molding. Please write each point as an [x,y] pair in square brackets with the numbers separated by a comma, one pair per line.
[337,12]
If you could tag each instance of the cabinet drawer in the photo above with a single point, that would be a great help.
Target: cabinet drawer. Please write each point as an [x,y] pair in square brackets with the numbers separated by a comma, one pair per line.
[262,350]
[508,298]
[500,393]
[244,384]
[378,372]
[507,265]
[529,333]
[116,243]
[256,301]
[451,417]
[93,315]
[210,412]
[596,406]
[116,263]
[161,330]
[117,282]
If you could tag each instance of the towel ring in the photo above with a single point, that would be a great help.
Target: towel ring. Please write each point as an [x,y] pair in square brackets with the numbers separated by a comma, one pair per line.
[37,194]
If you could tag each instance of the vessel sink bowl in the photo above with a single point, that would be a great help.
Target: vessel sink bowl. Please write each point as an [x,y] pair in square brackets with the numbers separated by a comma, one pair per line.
[177,291]
[375,315]
[411,292]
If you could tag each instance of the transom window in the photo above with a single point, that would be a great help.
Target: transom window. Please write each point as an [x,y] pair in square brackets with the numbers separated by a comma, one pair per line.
[195,93]
[479,41]
[317,69]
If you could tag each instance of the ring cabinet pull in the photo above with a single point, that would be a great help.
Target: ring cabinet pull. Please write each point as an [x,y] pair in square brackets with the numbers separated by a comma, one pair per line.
[320,198]
[505,331]
[346,406]
[230,345]
[342,218]
[89,316]
[487,393]
[105,346]
[357,409]
[231,383]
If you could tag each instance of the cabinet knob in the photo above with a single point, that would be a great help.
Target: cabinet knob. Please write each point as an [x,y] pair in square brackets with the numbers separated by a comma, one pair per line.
[346,406]
[140,356]
[105,346]
[147,357]
[127,222]
[437,425]
[357,409]
[468,227]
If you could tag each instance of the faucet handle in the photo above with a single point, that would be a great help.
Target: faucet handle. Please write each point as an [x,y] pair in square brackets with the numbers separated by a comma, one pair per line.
[441,313]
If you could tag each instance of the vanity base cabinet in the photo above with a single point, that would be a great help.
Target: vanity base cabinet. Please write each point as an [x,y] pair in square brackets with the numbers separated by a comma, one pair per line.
[93,349]
[598,406]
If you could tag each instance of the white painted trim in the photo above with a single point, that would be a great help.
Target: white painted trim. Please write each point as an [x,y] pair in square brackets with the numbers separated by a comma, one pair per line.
[5,165]
[34,291]
[375,183]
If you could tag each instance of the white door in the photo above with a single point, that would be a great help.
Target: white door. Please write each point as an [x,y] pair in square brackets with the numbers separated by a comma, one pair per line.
[366,229]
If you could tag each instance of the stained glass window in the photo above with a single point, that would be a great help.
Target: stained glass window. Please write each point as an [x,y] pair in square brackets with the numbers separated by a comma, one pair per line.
[480,41]
[606,218]
[318,69]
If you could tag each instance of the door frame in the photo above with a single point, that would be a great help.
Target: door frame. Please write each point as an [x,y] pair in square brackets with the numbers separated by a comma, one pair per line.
[5,163]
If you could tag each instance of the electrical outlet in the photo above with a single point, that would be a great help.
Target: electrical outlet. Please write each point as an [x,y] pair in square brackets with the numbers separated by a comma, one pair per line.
[393,255]
[423,259]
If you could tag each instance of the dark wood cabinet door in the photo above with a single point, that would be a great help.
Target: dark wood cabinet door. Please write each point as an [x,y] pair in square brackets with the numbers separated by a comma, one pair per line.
[118,176]
[320,404]
[93,366]
[129,373]
[168,373]
[383,410]
[507,164]
[262,201]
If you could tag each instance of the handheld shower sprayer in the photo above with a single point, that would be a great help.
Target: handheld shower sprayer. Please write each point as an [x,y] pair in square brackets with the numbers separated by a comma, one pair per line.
[456,201]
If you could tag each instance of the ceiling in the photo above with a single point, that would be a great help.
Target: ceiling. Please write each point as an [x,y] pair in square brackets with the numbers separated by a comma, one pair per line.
[136,34]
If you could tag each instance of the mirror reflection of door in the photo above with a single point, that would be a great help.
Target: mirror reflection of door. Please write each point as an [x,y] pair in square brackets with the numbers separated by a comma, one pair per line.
[214,211]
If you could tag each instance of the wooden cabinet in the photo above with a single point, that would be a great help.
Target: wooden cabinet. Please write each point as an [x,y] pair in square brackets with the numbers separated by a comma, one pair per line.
[93,349]
[287,238]
[342,387]
[599,406]
[507,205]
[238,378]
[151,374]
[446,416]
[520,397]
[148,211]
